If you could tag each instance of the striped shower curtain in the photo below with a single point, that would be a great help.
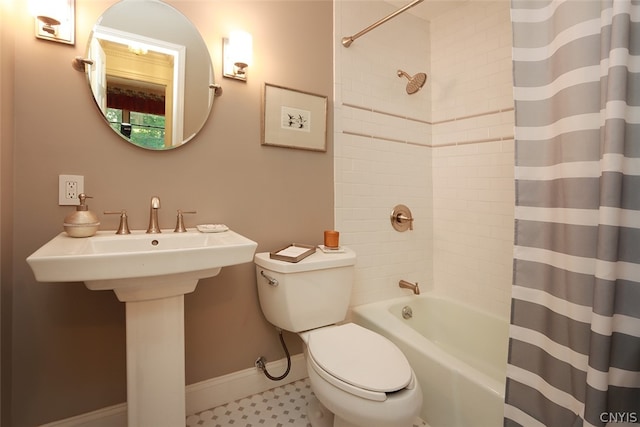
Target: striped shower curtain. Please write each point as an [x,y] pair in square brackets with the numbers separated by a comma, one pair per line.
[574,349]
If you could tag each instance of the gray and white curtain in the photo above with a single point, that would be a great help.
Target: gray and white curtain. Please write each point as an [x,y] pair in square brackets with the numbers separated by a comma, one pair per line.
[574,349]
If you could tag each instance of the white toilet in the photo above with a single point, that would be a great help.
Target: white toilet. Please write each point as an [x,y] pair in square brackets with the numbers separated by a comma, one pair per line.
[360,378]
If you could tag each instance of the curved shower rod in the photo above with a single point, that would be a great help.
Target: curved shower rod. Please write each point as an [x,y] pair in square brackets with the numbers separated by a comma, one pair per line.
[346,41]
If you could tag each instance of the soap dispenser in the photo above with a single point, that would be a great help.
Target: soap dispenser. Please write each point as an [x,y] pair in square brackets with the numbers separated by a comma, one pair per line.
[81,222]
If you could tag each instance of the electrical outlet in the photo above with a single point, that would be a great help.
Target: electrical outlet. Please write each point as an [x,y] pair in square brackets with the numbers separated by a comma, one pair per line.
[69,187]
[71,190]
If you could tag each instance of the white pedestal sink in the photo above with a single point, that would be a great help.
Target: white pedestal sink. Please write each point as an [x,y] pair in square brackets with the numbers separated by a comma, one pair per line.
[150,273]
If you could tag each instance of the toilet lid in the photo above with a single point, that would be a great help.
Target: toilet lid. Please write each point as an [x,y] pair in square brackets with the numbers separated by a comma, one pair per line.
[360,357]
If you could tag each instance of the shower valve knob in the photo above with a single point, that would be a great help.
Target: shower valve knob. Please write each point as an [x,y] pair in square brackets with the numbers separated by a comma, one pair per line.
[401,218]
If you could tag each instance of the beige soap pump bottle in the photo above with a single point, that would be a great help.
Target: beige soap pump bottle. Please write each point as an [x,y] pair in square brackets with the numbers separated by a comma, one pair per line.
[81,222]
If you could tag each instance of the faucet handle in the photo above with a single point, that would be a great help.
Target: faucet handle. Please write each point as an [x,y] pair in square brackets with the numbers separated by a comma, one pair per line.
[180,228]
[123,228]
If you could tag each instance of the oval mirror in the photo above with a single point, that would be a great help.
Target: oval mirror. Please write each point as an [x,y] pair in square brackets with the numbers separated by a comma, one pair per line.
[150,73]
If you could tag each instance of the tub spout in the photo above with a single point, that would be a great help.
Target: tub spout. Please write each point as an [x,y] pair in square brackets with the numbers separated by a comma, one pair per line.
[408,285]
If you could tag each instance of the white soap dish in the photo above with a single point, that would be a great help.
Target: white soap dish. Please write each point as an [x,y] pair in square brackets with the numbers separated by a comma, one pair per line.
[212,228]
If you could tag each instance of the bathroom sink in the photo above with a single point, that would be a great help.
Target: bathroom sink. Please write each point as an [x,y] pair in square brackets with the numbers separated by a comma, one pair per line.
[150,273]
[140,265]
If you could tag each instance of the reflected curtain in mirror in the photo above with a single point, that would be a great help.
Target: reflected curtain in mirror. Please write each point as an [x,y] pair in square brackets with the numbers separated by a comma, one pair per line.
[135,100]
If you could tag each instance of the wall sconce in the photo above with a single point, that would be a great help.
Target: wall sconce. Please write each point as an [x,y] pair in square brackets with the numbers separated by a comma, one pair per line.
[54,20]
[237,55]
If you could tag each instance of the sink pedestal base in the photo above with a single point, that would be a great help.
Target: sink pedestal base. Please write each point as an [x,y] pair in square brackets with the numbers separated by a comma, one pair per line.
[155,362]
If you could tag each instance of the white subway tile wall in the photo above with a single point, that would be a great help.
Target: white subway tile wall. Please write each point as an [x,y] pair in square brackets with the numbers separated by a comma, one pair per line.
[381,148]
[446,151]
[473,183]
[473,199]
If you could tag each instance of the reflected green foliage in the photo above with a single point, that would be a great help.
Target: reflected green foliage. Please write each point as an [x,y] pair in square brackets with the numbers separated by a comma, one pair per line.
[147,130]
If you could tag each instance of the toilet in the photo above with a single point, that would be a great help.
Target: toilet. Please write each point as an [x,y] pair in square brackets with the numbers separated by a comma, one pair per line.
[360,378]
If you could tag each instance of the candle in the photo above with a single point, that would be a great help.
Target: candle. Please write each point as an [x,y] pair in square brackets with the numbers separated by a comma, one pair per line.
[331,239]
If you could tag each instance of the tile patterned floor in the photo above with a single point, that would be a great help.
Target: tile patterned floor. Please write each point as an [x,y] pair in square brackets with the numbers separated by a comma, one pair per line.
[280,407]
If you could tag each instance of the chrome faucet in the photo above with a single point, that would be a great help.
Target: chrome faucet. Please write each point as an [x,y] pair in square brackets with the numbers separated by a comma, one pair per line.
[408,285]
[153,216]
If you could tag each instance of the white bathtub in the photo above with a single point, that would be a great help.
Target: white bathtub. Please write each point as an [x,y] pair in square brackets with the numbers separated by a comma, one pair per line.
[458,353]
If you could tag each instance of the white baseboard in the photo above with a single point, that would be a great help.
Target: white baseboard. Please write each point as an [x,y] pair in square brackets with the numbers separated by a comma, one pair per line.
[200,396]
[111,416]
[227,388]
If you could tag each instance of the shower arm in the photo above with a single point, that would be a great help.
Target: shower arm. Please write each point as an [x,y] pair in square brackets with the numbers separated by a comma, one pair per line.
[346,41]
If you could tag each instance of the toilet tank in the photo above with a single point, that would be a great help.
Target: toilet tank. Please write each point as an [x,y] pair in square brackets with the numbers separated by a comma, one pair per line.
[311,293]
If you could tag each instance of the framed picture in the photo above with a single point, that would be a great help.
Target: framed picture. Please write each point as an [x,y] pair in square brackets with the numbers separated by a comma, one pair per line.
[294,119]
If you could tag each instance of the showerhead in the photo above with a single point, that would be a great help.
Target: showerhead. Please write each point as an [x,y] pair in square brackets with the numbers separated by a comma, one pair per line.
[415,83]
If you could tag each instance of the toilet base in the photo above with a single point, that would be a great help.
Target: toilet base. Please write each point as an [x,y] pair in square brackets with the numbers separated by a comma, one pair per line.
[320,416]
[339,422]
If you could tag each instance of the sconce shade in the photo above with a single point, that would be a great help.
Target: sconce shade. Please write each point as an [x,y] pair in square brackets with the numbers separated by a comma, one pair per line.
[238,55]
[241,47]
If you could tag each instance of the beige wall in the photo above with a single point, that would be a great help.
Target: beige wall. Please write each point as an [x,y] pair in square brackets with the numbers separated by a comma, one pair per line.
[68,343]
[6,202]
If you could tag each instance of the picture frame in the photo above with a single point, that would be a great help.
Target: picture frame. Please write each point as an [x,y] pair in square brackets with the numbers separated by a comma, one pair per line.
[293,118]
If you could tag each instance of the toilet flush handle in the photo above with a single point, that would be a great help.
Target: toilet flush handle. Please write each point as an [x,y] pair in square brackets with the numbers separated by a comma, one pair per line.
[272,280]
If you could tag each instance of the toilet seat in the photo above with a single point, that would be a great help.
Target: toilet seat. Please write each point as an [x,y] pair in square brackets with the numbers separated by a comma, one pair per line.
[358,361]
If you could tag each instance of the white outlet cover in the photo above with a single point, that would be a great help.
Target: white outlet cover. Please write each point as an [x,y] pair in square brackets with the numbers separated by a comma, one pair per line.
[63,200]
